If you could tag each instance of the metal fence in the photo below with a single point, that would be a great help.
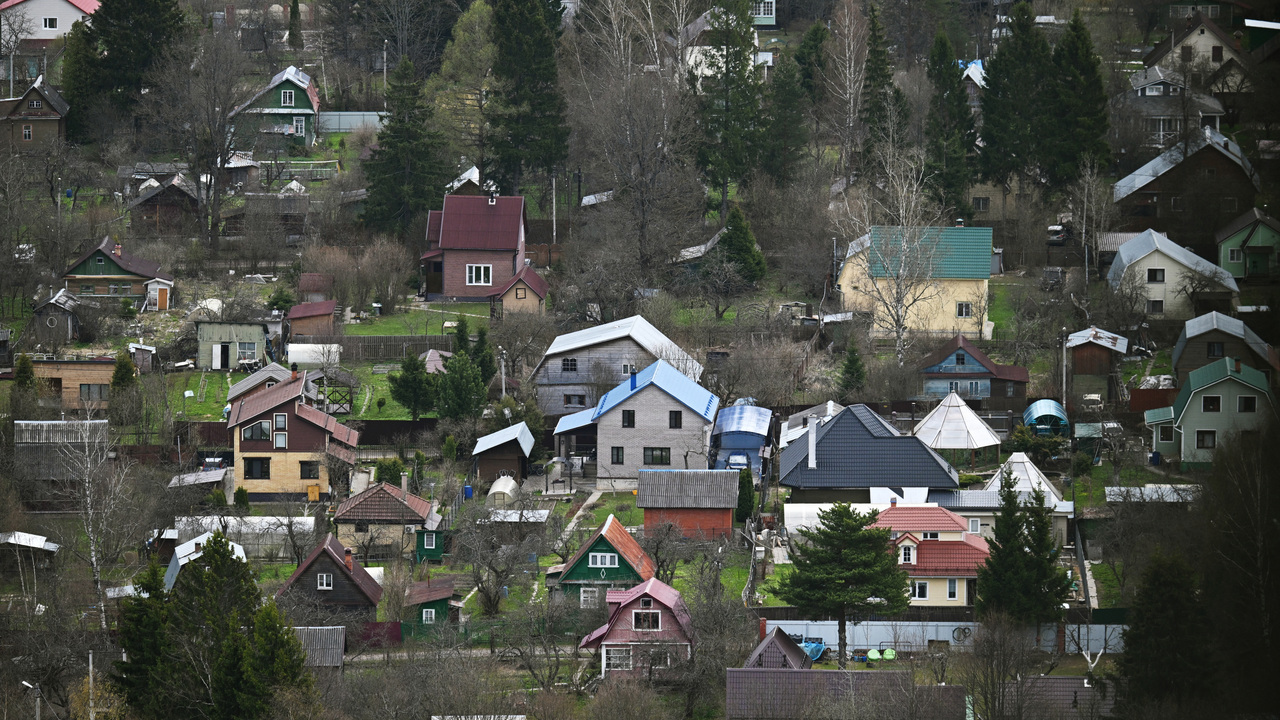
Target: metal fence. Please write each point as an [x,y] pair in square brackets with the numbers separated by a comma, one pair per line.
[341,122]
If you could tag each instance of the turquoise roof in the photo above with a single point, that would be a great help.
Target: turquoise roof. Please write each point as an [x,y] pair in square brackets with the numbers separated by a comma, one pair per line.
[669,380]
[962,252]
[1158,416]
[1040,408]
[1216,371]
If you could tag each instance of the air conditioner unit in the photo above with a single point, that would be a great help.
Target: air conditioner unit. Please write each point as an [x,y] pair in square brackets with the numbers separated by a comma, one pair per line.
[408,529]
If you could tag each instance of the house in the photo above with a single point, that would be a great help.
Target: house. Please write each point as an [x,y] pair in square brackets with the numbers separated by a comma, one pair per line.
[54,322]
[282,445]
[979,508]
[778,650]
[143,356]
[955,260]
[960,367]
[75,383]
[332,578]
[504,453]
[49,19]
[386,521]
[741,430]
[1095,354]
[797,424]
[576,364]
[1027,480]
[286,106]
[1189,190]
[430,605]
[108,270]
[1218,400]
[975,81]
[36,119]
[938,552]
[657,418]
[525,292]
[1174,280]
[285,212]
[1249,246]
[1213,336]
[266,378]
[610,558]
[1163,107]
[649,630]
[1206,52]
[312,318]
[40,452]
[475,244]
[764,13]
[315,287]
[193,549]
[165,207]
[762,693]
[700,503]
[858,457]
[232,345]
[22,554]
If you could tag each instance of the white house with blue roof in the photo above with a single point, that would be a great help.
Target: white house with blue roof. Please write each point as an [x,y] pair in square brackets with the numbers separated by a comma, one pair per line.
[656,419]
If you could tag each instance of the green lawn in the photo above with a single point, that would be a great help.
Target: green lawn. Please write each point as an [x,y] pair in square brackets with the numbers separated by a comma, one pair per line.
[215,394]
[1001,311]
[1108,587]
[1090,492]
[608,505]
[420,322]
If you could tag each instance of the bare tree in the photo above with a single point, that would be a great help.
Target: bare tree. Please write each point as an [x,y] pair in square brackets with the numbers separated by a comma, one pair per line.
[847,54]
[998,671]
[1091,200]
[668,547]
[497,552]
[386,266]
[15,26]
[534,638]
[724,630]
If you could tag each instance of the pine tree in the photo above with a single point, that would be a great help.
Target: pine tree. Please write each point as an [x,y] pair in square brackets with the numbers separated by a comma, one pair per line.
[530,117]
[884,105]
[295,26]
[846,570]
[1015,123]
[462,390]
[81,85]
[729,100]
[738,245]
[1080,110]
[853,374]
[144,638]
[951,136]
[462,336]
[128,36]
[462,91]
[406,175]
[1159,668]
[482,355]
[1021,578]
[811,56]
[786,133]
[746,495]
[413,387]
[1049,584]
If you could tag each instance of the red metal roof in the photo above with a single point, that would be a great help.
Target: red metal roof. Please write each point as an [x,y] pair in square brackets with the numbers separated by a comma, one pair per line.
[265,401]
[337,430]
[947,558]
[621,540]
[421,592]
[911,519]
[469,222]
[433,228]
[530,278]
[337,553]
[654,588]
[384,502]
[88,7]
[312,309]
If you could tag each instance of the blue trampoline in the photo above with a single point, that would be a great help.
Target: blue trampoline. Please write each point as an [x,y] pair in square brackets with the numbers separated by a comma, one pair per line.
[1046,417]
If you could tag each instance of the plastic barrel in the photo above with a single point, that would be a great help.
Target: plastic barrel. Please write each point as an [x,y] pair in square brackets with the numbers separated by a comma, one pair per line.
[466,492]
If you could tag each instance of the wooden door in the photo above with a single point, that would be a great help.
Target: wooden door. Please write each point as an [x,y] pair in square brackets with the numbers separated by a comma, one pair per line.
[163,302]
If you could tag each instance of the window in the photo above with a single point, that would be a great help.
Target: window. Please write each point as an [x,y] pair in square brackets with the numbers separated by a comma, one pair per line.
[588,597]
[960,359]
[1155,90]
[257,468]
[299,125]
[1188,53]
[1155,307]
[616,456]
[964,309]
[954,386]
[929,535]
[569,365]
[1235,255]
[646,620]
[309,469]
[1216,53]
[920,590]
[646,603]
[362,526]
[286,98]
[35,104]
[246,351]
[270,384]
[324,581]
[1229,204]
[763,8]
[953,589]
[50,23]
[520,293]
[675,419]
[428,541]
[479,274]
[575,400]
[908,553]
[975,526]
[657,456]
[1206,439]
[602,560]
[1008,389]
[281,441]
[87,290]
[1217,350]
[1175,204]
[1211,403]
[101,261]
[973,388]
[282,421]
[1155,275]
[26,132]
[981,204]
[617,658]
[1166,433]
[428,616]
[628,418]
[1247,404]
[659,658]
[257,431]
[93,392]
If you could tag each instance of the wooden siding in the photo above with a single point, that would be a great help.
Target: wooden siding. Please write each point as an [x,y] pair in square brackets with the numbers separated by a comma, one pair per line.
[1091,359]
[345,595]
[581,574]
[491,462]
[64,378]
[315,325]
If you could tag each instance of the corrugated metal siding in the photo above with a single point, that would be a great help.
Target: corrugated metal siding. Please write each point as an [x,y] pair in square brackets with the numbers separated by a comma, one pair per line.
[687,489]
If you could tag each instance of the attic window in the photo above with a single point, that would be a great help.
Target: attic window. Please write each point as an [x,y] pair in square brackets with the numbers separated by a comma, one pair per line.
[286,98]
[50,23]
[646,603]
[35,104]
[930,536]
[102,261]
[602,560]
[959,358]
[1155,90]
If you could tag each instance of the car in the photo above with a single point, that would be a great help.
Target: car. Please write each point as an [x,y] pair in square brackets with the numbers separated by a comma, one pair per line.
[1059,235]
[737,461]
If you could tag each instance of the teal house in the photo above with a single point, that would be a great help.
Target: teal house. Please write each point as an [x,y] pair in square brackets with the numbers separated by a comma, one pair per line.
[1247,246]
[429,606]
[1219,400]
[610,560]
[288,106]
[429,545]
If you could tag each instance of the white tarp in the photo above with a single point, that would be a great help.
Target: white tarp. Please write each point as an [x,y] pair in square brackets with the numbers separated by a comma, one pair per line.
[314,354]
[953,426]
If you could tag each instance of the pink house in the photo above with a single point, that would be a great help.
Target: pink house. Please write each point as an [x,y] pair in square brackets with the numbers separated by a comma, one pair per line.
[649,630]
[475,245]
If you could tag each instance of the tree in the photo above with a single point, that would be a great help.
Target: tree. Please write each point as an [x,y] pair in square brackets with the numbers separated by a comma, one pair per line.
[853,374]
[843,80]
[811,57]
[388,470]
[509,411]
[1080,108]
[883,102]
[295,26]
[1015,126]
[999,670]
[414,387]
[406,175]
[746,496]
[951,136]
[242,500]
[730,93]
[530,109]
[737,245]
[498,554]
[462,336]
[129,37]
[463,90]
[22,395]
[462,390]
[845,569]
[1021,578]
[724,636]
[80,83]
[785,133]
[124,376]
[482,355]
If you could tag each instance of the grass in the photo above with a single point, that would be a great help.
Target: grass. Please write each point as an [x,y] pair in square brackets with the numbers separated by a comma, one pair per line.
[1001,311]
[1161,364]
[1108,586]
[1091,492]
[215,394]
[608,505]
[424,322]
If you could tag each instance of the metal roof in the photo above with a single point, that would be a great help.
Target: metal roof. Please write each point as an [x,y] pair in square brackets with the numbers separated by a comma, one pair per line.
[1155,74]
[21,539]
[687,489]
[322,645]
[668,379]
[1216,372]
[744,419]
[952,425]
[1150,241]
[1232,326]
[518,432]
[1041,408]
[582,418]
[1250,218]
[975,72]
[638,329]
[960,501]
[960,252]
[193,549]
[1155,416]
[199,477]
[482,222]
[1092,334]
[1172,157]
[778,644]
[1027,478]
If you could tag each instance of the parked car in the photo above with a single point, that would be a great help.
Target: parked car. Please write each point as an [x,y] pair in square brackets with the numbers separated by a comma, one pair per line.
[737,461]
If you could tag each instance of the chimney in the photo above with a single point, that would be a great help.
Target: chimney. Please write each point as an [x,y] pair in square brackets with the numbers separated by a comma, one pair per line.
[893,502]
[118,249]
[813,445]
[404,483]
[493,198]
[633,377]
[959,222]
[350,563]
[294,368]
[1237,366]
[764,628]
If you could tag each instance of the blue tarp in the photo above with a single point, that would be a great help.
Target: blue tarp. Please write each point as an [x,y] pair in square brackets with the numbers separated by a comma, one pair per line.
[814,647]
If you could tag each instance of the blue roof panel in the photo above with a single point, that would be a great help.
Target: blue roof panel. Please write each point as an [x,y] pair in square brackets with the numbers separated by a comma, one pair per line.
[1041,408]
[745,419]
[669,380]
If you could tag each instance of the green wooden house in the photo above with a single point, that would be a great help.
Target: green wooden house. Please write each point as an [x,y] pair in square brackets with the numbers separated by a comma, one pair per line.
[1219,400]
[108,270]
[430,606]
[610,559]
[1247,246]
[429,545]
[289,105]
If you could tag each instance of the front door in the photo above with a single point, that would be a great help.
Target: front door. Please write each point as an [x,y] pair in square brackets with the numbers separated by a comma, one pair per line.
[163,302]
[225,352]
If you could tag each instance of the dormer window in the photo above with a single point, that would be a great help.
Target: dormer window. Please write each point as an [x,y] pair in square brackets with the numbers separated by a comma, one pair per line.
[35,104]
[908,555]
[646,603]
[1155,90]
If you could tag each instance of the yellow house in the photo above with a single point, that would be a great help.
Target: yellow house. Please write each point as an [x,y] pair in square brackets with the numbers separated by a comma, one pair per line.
[938,552]
[942,272]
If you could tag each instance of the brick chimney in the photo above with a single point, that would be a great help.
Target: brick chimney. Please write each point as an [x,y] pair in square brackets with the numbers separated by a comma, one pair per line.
[404,483]
[294,368]
[764,628]
[1237,366]
[893,502]
[349,562]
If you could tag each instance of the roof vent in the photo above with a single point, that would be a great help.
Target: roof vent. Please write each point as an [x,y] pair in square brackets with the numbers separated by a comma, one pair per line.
[493,198]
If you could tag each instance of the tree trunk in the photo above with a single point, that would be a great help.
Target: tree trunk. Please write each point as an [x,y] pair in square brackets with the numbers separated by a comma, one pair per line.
[843,643]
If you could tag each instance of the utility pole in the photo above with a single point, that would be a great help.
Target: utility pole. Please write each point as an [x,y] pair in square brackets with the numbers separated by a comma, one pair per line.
[502,363]
[91,711]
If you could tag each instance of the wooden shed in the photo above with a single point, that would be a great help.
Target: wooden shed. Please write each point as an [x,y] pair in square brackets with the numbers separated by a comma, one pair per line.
[502,454]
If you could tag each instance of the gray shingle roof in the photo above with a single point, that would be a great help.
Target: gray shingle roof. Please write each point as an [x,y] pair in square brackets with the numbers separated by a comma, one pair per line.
[1151,241]
[1172,157]
[785,694]
[687,489]
[323,645]
[858,449]
[1232,326]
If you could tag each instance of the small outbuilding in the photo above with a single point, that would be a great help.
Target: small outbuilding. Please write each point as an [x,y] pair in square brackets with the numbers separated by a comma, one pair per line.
[503,454]
[1046,417]
[698,502]
[778,650]
[1094,356]
[503,492]
[55,322]
[312,318]
[741,430]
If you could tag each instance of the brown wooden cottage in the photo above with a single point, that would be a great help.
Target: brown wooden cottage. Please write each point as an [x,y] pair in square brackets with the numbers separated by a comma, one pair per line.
[108,270]
[1095,353]
[1213,336]
[502,454]
[331,577]
[169,207]
[312,318]
[34,120]
[387,521]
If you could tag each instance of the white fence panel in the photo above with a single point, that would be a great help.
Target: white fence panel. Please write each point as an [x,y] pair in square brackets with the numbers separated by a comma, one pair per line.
[340,122]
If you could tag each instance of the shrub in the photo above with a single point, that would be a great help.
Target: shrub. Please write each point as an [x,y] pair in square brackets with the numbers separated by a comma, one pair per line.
[1081,465]
[241,498]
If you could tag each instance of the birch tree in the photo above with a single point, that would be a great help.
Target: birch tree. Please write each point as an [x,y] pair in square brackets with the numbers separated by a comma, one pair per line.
[842,79]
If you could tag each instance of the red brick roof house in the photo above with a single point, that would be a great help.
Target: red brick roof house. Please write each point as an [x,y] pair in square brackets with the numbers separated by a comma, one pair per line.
[332,577]
[648,631]
[312,318]
[698,502]
[938,552]
[475,245]
[378,521]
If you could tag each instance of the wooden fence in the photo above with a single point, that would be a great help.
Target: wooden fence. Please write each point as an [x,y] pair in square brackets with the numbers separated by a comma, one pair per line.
[364,348]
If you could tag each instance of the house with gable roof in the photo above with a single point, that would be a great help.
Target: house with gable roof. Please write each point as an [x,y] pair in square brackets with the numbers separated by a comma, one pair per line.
[1160,105]
[165,207]
[938,552]
[700,503]
[1249,246]
[609,559]
[35,119]
[1213,336]
[649,631]
[1213,56]
[656,419]
[1095,354]
[332,578]
[1218,400]
[525,292]
[960,367]
[504,453]
[577,363]
[1174,280]
[475,245]
[108,270]
[287,106]
[266,378]
[389,521]
[193,549]
[50,19]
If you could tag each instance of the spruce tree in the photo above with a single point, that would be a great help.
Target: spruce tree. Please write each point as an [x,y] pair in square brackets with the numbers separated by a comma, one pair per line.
[413,387]
[884,105]
[738,245]
[406,174]
[482,355]
[144,637]
[746,495]
[811,56]
[1080,109]
[80,83]
[295,26]
[1018,104]
[24,373]
[462,390]
[853,374]
[730,92]
[124,376]
[786,133]
[1021,578]
[951,137]
[127,37]
[1161,668]
[1049,584]
[462,336]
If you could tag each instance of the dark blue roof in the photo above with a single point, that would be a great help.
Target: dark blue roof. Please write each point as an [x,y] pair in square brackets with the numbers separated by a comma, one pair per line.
[858,449]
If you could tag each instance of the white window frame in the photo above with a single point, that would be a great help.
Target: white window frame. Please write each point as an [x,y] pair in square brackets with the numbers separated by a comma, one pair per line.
[1235,255]
[300,125]
[286,98]
[907,556]
[428,540]
[480,275]
[953,589]
[981,203]
[974,388]
[1213,437]
[50,23]
[929,535]
[27,136]
[589,597]
[919,589]
[281,421]
[616,652]
[635,613]
[602,560]
[280,441]
[1161,435]
[1240,409]
[975,526]
[34,104]
[964,309]
[324,581]
[428,616]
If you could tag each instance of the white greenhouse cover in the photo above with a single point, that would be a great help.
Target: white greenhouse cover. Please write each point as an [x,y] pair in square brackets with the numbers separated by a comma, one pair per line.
[1028,477]
[953,426]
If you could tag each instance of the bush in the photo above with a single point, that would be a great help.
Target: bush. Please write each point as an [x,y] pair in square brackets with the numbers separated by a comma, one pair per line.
[1039,447]
[388,470]
[1081,465]
[242,499]
[967,480]
[127,310]
[449,448]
